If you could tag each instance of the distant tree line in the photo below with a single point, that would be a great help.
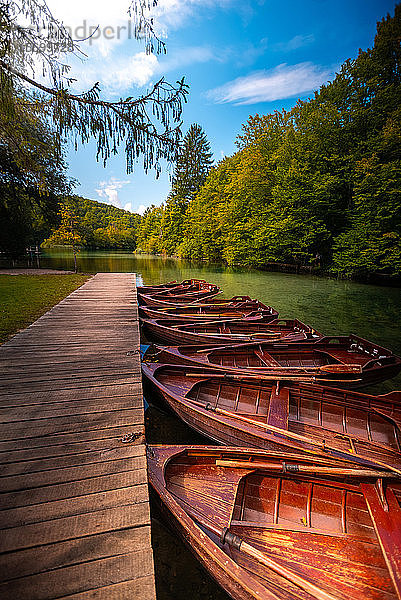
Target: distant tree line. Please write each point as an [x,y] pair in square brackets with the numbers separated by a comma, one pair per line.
[317,185]
[38,117]
[94,225]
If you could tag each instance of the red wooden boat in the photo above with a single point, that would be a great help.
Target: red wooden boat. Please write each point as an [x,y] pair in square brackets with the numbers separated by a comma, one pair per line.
[375,363]
[282,415]
[190,284]
[157,303]
[209,312]
[227,331]
[179,295]
[282,526]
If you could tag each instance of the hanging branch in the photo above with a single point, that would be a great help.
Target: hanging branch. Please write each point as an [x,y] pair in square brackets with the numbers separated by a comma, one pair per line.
[149,126]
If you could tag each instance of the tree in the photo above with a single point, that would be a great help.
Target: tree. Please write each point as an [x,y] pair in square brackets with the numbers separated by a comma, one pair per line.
[149,125]
[32,177]
[149,231]
[68,233]
[193,164]
[317,185]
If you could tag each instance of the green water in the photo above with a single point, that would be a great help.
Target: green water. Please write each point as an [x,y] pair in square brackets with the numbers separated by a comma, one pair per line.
[331,306]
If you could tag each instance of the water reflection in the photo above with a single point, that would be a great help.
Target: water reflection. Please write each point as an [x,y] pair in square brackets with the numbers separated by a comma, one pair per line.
[331,306]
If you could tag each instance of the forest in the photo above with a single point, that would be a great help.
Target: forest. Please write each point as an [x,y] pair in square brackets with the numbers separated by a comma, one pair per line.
[317,185]
[97,225]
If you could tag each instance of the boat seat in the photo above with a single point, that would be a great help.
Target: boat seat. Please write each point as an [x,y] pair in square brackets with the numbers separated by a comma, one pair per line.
[267,359]
[277,415]
[345,357]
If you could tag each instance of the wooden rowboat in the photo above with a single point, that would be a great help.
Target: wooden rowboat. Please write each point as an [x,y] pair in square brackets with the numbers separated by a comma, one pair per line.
[209,312]
[204,301]
[282,414]
[190,284]
[179,295]
[227,331]
[282,526]
[375,363]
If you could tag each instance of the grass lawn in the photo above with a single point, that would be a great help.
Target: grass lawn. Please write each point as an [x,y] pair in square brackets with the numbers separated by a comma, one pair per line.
[24,298]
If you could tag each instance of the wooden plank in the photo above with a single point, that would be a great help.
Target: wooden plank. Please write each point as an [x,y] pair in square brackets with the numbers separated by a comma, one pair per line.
[90,485]
[57,425]
[59,409]
[67,528]
[64,554]
[37,513]
[65,438]
[75,519]
[100,391]
[79,578]
[60,475]
[127,590]
[71,460]
[96,380]
[16,455]
[65,375]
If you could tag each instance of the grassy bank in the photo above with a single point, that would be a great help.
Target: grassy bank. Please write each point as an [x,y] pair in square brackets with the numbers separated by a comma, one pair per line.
[24,298]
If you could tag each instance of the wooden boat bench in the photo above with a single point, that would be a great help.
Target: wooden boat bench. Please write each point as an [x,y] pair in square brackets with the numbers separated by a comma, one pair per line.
[344,356]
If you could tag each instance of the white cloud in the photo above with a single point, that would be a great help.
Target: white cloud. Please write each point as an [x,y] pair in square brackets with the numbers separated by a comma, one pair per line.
[118,74]
[141,209]
[113,56]
[128,206]
[172,14]
[284,81]
[299,41]
[108,191]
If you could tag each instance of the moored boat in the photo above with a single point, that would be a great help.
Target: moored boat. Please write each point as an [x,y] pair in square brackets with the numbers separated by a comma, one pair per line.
[209,312]
[283,526]
[227,331]
[182,295]
[338,352]
[276,414]
[189,284]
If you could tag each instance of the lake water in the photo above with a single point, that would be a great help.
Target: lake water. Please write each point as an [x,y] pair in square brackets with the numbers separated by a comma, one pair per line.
[333,307]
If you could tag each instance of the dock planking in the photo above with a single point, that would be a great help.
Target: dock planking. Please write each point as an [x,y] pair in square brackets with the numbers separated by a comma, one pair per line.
[74,518]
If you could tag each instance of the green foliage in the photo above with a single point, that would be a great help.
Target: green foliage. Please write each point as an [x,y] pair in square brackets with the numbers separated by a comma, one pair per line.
[191,169]
[149,231]
[32,40]
[317,185]
[92,224]
[32,176]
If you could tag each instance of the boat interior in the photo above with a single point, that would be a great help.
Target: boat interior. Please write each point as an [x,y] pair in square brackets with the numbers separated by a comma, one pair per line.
[319,527]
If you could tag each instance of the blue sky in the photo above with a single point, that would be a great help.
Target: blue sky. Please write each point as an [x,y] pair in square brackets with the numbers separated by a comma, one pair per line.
[239,57]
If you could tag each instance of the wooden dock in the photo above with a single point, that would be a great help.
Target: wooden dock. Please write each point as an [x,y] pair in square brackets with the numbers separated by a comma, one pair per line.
[74,518]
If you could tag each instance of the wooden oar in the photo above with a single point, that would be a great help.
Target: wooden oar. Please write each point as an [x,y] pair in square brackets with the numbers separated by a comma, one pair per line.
[299,468]
[227,537]
[274,377]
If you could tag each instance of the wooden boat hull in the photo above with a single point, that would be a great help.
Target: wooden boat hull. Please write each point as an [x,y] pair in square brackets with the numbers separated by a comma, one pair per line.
[267,358]
[170,285]
[212,332]
[350,425]
[181,296]
[346,554]
[210,312]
